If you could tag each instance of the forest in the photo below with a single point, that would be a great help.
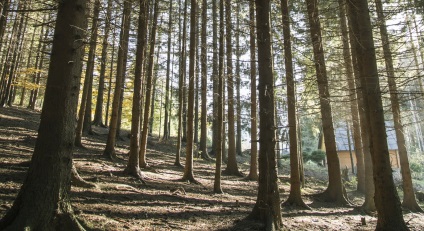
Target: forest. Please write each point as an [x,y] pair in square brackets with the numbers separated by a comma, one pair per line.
[211,115]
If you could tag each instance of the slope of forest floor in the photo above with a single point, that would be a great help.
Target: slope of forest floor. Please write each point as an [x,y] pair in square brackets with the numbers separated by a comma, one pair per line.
[121,202]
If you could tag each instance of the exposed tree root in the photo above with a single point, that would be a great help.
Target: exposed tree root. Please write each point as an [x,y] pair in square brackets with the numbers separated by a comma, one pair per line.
[232,173]
[110,155]
[251,177]
[135,172]
[62,218]
[178,164]
[326,196]
[190,178]
[296,202]
[412,206]
[77,181]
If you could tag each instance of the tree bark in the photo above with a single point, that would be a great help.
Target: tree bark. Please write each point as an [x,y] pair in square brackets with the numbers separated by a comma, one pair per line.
[204,83]
[43,201]
[98,114]
[267,208]
[109,151]
[85,104]
[253,170]
[232,168]
[334,191]
[409,200]
[386,198]
[166,134]
[182,70]
[295,197]
[360,165]
[148,83]
[133,161]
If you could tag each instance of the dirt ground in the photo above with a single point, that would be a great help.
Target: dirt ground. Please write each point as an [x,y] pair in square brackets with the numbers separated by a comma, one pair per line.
[121,202]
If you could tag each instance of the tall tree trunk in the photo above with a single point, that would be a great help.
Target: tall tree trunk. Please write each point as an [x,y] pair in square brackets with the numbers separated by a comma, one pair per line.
[238,82]
[334,191]
[85,104]
[133,160]
[168,75]
[109,91]
[182,70]
[267,207]
[109,151]
[232,168]
[386,198]
[215,135]
[409,200]
[154,92]
[98,114]
[219,113]
[43,202]
[148,83]
[360,165]
[28,65]
[204,79]
[188,168]
[39,66]
[368,204]
[295,197]
[253,170]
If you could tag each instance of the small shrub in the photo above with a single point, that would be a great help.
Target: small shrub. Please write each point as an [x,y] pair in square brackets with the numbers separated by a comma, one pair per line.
[317,156]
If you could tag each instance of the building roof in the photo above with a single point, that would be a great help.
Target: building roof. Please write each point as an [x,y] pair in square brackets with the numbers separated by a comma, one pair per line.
[342,143]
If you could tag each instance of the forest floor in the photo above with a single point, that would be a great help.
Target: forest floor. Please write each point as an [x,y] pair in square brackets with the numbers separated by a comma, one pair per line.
[121,202]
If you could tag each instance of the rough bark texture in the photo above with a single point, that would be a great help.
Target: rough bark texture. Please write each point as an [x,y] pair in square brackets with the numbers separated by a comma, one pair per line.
[369,204]
[360,165]
[204,71]
[188,168]
[148,83]
[123,46]
[334,191]
[181,86]
[219,125]
[253,170]
[409,200]
[232,168]
[168,75]
[43,201]
[133,160]
[98,113]
[295,197]
[267,207]
[386,198]
[85,105]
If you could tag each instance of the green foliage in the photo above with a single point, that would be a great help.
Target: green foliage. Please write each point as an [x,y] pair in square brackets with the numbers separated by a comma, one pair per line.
[316,156]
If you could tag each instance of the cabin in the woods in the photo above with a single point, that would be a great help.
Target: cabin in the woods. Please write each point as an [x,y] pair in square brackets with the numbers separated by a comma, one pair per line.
[347,155]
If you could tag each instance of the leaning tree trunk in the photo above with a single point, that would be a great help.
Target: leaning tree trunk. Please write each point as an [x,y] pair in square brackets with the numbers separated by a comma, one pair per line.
[386,197]
[334,191]
[267,207]
[295,197]
[253,170]
[43,202]
[409,200]
[109,151]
